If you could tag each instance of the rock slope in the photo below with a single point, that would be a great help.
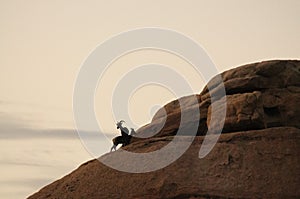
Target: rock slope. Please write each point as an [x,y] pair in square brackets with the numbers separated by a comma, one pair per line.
[257,155]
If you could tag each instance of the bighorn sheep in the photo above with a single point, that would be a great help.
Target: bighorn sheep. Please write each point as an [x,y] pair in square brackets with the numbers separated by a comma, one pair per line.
[125,137]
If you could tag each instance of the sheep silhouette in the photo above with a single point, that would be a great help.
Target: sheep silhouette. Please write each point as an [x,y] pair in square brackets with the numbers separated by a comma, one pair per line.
[125,137]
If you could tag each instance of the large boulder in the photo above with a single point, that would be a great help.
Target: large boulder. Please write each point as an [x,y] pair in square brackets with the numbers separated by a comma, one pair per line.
[258,96]
[256,156]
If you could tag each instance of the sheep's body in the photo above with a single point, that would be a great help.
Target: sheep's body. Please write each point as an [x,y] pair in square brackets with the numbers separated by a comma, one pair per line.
[125,137]
[116,141]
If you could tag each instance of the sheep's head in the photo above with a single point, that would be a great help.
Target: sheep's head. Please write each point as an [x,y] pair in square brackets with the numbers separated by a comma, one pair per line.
[119,124]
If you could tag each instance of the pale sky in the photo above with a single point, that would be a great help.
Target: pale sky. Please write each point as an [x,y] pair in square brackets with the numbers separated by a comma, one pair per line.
[43,44]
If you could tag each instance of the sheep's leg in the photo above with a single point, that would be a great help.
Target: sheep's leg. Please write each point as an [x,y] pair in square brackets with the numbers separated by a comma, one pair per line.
[113,147]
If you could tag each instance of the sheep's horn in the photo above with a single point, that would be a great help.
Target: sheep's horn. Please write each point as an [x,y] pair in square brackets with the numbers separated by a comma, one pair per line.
[122,121]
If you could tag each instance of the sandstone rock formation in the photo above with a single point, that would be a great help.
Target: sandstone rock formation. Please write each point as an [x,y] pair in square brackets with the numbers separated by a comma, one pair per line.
[258,96]
[257,155]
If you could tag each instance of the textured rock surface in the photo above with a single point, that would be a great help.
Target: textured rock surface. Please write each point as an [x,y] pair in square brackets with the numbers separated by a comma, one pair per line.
[257,156]
[258,96]
[253,164]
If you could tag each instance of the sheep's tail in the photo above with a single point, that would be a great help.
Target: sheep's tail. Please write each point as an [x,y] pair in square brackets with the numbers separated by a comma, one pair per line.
[132,131]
